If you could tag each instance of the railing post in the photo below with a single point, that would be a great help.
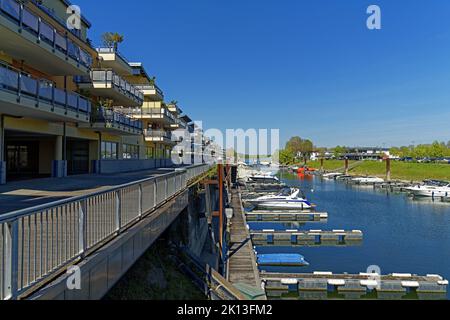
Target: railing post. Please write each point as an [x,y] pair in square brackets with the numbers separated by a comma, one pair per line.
[11,254]
[82,227]
[140,209]
[118,211]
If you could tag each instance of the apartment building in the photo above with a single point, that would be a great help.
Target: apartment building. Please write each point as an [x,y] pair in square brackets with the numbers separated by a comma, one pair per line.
[67,108]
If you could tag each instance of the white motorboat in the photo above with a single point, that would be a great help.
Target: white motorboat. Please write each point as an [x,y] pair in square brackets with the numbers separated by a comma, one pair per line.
[363,180]
[431,188]
[282,201]
[283,194]
[332,175]
[263,178]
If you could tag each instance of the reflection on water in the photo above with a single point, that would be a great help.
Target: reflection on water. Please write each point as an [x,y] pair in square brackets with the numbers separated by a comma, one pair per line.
[401,234]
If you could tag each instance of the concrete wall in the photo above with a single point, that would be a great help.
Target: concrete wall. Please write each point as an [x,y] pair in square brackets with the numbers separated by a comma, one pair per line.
[114,166]
[101,270]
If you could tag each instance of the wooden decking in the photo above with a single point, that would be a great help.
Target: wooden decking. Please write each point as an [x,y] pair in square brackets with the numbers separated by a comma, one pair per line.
[242,267]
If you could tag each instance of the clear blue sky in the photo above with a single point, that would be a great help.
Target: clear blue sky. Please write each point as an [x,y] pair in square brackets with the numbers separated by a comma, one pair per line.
[308,67]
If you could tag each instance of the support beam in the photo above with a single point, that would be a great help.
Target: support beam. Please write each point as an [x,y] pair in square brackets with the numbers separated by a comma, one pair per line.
[2,149]
[59,164]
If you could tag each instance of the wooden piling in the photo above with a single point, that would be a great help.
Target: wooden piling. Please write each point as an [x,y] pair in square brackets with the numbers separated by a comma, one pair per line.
[388,169]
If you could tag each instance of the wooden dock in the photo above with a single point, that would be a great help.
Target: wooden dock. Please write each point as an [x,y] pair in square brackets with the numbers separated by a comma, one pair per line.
[311,237]
[363,282]
[241,267]
[286,216]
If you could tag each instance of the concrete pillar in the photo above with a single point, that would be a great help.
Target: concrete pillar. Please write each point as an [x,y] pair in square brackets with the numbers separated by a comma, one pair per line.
[2,149]
[388,169]
[58,148]
[346,166]
[59,164]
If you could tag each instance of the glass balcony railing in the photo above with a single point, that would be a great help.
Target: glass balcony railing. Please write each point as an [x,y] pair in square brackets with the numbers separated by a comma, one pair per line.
[114,51]
[110,78]
[151,87]
[24,18]
[103,115]
[21,84]
[153,112]
[155,133]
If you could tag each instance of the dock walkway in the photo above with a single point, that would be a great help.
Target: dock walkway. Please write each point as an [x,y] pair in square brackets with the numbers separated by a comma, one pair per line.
[19,195]
[242,269]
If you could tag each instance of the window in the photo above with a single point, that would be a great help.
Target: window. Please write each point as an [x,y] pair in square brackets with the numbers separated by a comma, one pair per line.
[150,153]
[130,151]
[109,150]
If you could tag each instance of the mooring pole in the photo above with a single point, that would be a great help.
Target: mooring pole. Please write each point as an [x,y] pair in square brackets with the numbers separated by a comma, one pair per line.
[346,166]
[388,168]
[220,177]
[321,164]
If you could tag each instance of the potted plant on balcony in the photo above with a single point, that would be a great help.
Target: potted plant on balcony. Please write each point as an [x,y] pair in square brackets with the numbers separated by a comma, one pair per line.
[112,39]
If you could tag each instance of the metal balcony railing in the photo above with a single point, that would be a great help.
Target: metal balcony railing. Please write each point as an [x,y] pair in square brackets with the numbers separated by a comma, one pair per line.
[38,243]
[110,78]
[113,50]
[113,117]
[43,31]
[15,81]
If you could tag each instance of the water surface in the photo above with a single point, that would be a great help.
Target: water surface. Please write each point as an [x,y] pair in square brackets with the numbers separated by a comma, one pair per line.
[400,234]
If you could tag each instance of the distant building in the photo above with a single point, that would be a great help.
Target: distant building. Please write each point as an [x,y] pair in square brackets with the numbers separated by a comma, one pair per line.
[367,153]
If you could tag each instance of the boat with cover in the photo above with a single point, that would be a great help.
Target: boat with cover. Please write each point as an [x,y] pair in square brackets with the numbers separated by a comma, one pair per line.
[281,259]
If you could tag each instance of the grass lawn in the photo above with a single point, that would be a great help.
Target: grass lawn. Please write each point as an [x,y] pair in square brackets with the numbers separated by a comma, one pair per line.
[399,170]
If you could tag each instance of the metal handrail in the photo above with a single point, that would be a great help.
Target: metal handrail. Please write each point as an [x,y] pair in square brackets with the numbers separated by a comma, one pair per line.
[14,80]
[27,20]
[37,243]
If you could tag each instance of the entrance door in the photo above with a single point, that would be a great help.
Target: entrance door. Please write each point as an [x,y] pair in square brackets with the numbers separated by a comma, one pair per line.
[22,160]
[77,157]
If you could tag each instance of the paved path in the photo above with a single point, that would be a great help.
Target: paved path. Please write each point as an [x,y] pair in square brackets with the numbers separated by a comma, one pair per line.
[24,194]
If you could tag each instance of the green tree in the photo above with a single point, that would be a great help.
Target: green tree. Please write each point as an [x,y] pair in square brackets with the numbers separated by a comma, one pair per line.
[339,151]
[286,157]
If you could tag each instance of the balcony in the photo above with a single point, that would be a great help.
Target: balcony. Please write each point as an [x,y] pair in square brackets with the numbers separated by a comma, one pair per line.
[107,120]
[174,109]
[27,37]
[157,115]
[151,92]
[179,124]
[109,85]
[114,60]
[24,96]
[161,136]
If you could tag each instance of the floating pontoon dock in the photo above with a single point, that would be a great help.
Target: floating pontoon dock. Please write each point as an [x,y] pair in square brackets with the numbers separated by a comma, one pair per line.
[363,282]
[286,216]
[299,237]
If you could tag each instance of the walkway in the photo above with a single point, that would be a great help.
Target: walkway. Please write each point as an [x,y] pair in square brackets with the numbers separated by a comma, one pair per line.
[242,270]
[29,193]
